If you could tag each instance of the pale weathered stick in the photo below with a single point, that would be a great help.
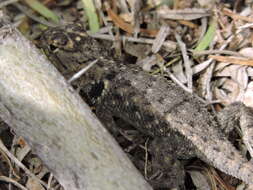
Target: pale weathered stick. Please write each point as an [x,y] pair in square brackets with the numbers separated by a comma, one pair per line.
[39,105]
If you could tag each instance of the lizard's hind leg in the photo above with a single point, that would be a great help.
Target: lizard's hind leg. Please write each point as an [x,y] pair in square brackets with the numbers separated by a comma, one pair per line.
[238,117]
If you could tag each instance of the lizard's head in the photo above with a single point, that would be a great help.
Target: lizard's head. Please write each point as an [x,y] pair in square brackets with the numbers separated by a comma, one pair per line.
[64,47]
[70,49]
[69,37]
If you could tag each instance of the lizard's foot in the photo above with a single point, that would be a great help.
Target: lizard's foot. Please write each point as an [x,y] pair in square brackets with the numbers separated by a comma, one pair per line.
[165,153]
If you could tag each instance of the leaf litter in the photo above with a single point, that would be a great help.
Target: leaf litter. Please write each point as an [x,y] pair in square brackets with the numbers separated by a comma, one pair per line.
[204,46]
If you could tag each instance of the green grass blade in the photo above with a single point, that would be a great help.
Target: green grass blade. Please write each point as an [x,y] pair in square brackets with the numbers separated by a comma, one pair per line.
[208,38]
[91,14]
[42,10]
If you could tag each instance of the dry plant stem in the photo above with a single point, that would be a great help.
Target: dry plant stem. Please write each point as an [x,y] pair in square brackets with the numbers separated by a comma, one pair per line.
[98,6]
[7,2]
[160,38]
[50,180]
[214,51]
[82,71]
[203,28]
[123,6]
[210,60]
[5,157]
[207,80]
[174,78]
[9,180]
[19,164]
[187,62]
[39,105]
[169,45]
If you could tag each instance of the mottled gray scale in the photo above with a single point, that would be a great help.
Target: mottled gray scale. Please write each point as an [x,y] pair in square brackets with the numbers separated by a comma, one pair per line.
[152,104]
[131,112]
[188,116]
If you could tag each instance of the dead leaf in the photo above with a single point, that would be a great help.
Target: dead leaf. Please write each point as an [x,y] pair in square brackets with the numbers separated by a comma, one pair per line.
[227,91]
[125,26]
[248,95]
[199,180]
[247,52]
[34,185]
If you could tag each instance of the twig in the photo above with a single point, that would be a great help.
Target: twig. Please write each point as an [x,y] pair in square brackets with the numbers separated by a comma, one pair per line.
[82,71]
[13,158]
[146,159]
[123,6]
[7,2]
[170,45]
[160,38]
[174,78]
[49,180]
[187,62]
[12,171]
[9,180]
[240,29]
[208,82]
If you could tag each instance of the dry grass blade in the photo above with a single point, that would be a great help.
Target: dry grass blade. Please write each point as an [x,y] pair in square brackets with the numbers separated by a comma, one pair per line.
[169,45]
[187,62]
[9,163]
[7,2]
[188,23]
[216,51]
[234,60]
[119,22]
[14,159]
[174,79]
[222,183]
[123,6]
[9,180]
[185,14]
[160,38]
[236,16]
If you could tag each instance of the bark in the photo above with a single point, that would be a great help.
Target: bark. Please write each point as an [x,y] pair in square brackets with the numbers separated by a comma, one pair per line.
[39,105]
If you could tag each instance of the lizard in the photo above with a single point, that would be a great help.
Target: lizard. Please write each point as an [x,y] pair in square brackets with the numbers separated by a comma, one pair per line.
[180,123]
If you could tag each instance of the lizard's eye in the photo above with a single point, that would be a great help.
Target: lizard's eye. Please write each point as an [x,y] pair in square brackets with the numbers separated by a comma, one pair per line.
[60,41]
[52,47]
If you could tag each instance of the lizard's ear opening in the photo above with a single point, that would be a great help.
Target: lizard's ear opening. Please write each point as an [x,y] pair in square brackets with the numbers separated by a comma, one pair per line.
[130,59]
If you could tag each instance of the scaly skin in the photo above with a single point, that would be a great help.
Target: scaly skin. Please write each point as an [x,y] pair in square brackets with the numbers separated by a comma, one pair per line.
[152,104]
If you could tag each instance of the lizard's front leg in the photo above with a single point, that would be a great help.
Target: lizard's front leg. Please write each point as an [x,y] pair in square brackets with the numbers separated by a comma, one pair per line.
[165,152]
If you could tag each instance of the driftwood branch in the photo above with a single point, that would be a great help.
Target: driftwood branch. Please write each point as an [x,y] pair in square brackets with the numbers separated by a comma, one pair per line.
[39,105]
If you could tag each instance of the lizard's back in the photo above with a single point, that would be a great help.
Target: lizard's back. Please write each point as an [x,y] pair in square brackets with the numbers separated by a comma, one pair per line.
[152,104]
